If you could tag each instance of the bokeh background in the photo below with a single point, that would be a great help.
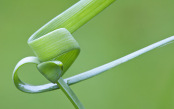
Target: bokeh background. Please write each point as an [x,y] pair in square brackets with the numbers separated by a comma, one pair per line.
[146,82]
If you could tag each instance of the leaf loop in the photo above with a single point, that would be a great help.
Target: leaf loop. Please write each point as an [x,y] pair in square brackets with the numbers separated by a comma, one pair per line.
[58,47]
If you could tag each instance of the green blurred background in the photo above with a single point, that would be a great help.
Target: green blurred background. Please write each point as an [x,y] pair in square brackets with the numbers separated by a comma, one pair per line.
[127,25]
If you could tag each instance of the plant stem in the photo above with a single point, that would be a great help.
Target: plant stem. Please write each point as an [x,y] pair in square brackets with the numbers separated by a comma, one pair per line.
[105,67]
[82,76]
[70,94]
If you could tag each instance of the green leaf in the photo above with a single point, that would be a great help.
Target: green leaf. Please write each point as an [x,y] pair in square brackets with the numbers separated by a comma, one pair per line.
[58,45]
[52,70]
[54,46]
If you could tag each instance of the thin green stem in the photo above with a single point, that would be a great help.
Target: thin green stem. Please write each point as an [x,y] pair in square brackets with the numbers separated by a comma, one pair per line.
[70,94]
[105,67]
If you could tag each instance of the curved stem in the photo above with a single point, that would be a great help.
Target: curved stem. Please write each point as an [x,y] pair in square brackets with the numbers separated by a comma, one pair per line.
[101,69]
[86,75]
